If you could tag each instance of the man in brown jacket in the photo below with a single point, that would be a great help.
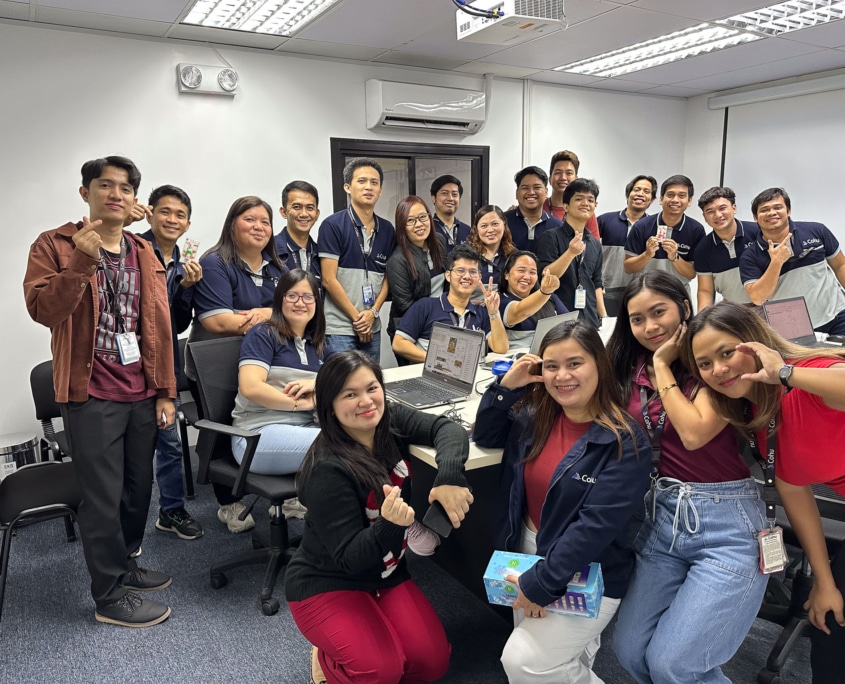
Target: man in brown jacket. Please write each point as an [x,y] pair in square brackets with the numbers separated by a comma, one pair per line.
[102,293]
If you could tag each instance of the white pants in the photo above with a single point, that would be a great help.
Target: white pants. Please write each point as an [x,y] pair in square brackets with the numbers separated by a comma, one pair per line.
[556,649]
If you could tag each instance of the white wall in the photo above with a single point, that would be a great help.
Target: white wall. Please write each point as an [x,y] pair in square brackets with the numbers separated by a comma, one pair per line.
[74,96]
[703,147]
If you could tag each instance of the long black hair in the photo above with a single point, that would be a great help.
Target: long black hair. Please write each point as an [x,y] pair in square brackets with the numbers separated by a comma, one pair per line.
[316,327]
[548,309]
[225,245]
[370,468]
[403,211]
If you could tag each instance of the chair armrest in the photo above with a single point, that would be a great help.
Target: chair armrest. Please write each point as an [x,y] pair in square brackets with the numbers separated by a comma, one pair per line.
[219,430]
[224,429]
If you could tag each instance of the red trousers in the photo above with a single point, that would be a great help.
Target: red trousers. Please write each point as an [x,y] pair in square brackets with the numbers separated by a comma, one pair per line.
[380,637]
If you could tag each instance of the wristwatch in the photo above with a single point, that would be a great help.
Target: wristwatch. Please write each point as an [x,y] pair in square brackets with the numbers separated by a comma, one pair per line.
[375,311]
[784,374]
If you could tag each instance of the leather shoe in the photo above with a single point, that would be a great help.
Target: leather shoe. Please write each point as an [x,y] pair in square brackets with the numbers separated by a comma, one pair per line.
[133,611]
[140,579]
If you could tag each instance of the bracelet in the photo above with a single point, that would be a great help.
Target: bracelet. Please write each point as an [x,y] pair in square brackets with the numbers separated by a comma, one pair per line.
[295,404]
[493,316]
[547,294]
[667,388]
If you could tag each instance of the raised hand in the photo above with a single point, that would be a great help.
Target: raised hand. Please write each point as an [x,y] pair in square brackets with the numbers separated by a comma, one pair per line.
[670,350]
[394,509]
[193,274]
[138,212]
[87,239]
[550,282]
[769,360]
[780,254]
[523,372]
[671,248]
[576,244]
[652,245]
[491,298]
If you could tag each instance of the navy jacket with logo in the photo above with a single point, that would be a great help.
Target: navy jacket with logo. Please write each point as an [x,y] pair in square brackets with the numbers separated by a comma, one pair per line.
[591,498]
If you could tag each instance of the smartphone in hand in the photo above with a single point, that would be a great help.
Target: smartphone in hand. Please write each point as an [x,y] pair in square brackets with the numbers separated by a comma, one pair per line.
[437,520]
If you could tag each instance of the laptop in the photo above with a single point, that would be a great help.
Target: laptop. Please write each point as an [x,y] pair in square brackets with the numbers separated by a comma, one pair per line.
[449,370]
[546,324]
[791,319]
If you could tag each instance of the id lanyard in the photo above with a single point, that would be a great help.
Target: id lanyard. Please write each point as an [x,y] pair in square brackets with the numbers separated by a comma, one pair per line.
[655,431]
[362,243]
[767,465]
[112,291]
[296,253]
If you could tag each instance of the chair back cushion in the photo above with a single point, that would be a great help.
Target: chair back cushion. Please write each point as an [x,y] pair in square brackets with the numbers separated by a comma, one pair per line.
[216,364]
[43,393]
[36,485]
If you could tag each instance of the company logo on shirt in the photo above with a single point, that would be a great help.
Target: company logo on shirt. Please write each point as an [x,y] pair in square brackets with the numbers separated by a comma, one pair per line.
[589,479]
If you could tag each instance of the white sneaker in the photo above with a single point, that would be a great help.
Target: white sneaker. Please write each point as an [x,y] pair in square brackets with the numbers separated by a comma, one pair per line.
[229,514]
[292,508]
[421,540]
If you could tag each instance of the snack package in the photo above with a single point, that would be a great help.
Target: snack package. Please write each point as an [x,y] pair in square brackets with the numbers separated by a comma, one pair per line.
[189,251]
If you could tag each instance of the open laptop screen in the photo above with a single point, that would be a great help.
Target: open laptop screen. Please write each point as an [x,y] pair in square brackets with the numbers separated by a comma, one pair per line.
[790,318]
[453,352]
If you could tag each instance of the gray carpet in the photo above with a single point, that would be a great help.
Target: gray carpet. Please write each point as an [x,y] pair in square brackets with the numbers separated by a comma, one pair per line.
[49,634]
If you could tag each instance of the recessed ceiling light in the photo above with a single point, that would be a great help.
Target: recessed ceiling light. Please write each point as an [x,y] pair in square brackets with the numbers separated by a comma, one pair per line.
[709,37]
[277,17]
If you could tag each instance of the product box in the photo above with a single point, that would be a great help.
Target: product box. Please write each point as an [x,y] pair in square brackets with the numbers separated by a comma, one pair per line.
[583,593]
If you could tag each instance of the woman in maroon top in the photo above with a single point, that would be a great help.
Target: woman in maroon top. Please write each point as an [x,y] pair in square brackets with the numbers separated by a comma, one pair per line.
[697,549]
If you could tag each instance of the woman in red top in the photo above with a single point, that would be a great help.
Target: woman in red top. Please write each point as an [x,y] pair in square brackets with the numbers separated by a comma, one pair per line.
[745,361]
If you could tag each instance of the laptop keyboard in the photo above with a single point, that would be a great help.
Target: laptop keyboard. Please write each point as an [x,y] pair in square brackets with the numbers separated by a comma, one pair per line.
[435,391]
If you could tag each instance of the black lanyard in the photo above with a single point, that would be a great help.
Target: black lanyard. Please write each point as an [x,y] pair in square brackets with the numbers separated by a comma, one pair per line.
[112,290]
[767,465]
[655,432]
[359,233]
[295,252]
[263,275]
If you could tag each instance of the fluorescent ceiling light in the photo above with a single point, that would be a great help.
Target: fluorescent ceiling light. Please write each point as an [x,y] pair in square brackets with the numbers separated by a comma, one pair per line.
[277,17]
[708,37]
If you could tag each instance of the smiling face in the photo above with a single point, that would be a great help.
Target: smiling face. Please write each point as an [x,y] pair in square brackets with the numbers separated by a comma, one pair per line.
[773,217]
[490,229]
[365,188]
[531,193]
[110,197]
[721,366]
[418,225]
[719,215]
[447,200]
[581,207]
[653,317]
[463,277]
[300,312]
[675,202]
[301,212]
[562,175]
[252,230]
[169,219]
[522,277]
[571,376]
[359,406]
[641,196]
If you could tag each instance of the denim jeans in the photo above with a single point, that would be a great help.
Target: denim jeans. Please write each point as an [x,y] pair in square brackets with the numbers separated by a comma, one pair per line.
[339,343]
[169,474]
[280,450]
[697,584]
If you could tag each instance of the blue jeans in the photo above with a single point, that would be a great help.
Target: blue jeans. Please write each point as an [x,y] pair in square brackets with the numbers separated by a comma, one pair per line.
[339,343]
[697,584]
[280,450]
[169,474]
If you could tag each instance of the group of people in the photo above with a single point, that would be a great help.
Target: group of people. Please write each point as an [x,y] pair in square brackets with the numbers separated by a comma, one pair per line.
[641,439]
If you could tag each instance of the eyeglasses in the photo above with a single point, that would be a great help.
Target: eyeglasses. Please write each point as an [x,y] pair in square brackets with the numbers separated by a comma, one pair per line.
[294,297]
[411,221]
[471,272]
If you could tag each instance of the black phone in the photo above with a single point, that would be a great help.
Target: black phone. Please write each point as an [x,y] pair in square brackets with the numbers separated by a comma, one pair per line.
[437,520]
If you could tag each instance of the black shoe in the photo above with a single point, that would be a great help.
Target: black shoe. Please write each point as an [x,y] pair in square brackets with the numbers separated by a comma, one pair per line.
[133,611]
[140,579]
[180,523]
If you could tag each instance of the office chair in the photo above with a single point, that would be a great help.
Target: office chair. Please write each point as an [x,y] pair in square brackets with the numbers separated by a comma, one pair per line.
[186,416]
[32,494]
[217,376]
[786,593]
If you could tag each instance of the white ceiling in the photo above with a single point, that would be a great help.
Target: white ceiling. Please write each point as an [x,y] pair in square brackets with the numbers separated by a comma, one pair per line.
[422,33]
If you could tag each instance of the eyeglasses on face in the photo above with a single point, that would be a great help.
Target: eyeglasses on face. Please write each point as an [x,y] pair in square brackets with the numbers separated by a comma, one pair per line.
[461,272]
[294,297]
[411,221]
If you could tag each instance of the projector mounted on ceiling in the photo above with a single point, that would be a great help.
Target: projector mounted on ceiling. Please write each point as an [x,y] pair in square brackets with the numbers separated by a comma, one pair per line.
[523,20]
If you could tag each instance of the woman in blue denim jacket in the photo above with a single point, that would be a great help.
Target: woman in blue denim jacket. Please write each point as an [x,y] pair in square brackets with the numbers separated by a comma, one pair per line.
[575,467]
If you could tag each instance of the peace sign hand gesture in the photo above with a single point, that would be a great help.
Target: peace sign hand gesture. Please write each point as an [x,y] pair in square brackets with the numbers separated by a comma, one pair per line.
[491,298]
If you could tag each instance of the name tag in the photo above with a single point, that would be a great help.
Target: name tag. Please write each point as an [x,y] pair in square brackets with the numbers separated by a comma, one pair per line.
[127,344]
[367,292]
[580,297]
[773,557]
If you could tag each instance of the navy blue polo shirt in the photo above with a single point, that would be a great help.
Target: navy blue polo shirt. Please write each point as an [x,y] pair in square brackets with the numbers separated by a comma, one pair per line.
[522,240]
[461,232]
[523,332]
[715,258]
[805,274]
[491,267]
[343,238]
[688,233]
[293,256]
[229,288]
[418,321]
[613,230]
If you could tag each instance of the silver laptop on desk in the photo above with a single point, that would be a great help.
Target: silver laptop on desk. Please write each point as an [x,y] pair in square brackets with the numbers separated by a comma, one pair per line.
[546,324]
[449,370]
[791,319]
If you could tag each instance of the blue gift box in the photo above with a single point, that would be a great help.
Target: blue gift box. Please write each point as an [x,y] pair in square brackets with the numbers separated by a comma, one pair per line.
[583,593]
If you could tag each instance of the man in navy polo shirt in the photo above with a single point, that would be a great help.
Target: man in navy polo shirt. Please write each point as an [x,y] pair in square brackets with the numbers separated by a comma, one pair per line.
[792,259]
[354,245]
[300,208]
[563,169]
[446,193]
[169,216]
[528,221]
[613,230]
[453,308]
[667,240]
[717,255]
[571,253]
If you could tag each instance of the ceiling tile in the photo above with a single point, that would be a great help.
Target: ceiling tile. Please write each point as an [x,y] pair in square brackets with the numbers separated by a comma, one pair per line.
[225,36]
[503,70]
[703,10]
[621,84]
[418,60]
[14,10]
[675,91]
[101,22]
[443,41]
[152,10]
[563,78]
[333,50]
[826,35]
[608,31]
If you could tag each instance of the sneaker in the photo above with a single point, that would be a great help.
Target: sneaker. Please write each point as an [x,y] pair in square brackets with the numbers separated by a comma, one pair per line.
[180,523]
[292,508]
[229,514]
[135,554]
[133,611]
[317,676]
[421,540]
[141,579]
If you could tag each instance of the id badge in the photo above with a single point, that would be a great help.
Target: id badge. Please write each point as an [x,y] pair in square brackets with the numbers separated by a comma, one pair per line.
[580,297]
[773,557]
[661,233]
[369,297]
[127,344]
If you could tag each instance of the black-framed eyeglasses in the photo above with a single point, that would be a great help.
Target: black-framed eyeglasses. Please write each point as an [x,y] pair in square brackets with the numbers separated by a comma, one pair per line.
[294,297]
[411,221]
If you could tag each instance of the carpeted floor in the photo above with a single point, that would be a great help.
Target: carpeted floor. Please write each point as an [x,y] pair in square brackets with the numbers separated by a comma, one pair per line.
[49,634]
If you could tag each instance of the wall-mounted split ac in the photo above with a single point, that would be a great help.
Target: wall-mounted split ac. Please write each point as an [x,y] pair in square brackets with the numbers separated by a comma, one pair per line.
[421,107]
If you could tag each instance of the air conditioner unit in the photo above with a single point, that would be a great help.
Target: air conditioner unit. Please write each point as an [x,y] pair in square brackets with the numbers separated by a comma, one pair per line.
[420,107]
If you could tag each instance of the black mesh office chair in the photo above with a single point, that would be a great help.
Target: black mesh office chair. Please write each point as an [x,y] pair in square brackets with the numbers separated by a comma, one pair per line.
[33,494]
[185,417]
[217,376]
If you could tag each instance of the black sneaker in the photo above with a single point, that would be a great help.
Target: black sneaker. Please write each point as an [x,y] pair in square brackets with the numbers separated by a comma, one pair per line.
[140,579]
[133,611]
[180,523]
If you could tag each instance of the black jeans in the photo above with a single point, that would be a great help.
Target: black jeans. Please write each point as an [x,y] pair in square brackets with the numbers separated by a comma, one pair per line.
[112,444]
[826,649]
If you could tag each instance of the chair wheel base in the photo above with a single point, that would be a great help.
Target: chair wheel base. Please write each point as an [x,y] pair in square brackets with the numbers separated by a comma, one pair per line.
[218,581]
[270,606]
